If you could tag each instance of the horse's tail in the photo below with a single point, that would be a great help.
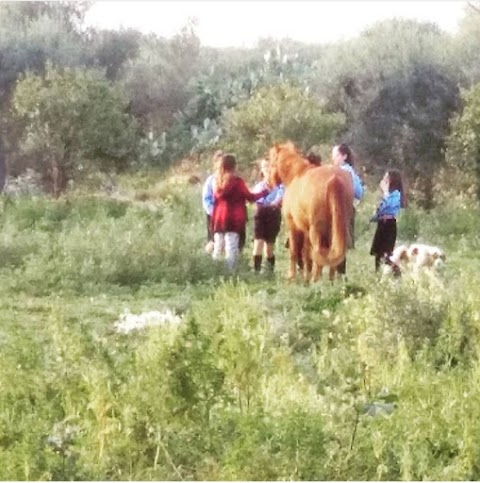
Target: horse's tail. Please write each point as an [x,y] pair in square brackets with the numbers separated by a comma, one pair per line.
[336,194]
[330,248]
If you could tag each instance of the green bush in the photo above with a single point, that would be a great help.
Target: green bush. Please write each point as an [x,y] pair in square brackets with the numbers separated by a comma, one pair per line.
[276,114]
[73,117]
[463,150]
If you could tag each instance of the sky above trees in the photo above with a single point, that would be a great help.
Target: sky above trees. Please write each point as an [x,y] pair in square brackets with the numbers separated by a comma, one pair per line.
[242,23]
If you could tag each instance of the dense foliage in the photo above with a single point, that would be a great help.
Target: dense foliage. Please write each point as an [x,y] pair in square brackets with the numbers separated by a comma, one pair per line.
[393,90]
[72,117]
[249,377]
[464,140]
[274,114]
[259,379]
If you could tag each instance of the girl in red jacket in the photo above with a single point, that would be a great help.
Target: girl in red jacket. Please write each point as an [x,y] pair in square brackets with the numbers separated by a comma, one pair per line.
[229,215]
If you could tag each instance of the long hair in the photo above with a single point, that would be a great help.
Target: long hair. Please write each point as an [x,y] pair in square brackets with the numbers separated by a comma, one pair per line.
[314,158]
[396,183]
[225,170]
[346,151]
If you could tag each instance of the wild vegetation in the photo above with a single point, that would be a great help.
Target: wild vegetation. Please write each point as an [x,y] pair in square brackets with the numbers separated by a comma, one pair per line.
[255,378]
[261,378]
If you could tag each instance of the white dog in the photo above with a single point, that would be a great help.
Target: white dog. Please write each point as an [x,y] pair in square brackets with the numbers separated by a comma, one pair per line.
[415,257]
[426,256]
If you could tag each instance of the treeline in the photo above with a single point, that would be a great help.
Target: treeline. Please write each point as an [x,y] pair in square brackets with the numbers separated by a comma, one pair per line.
[73,100]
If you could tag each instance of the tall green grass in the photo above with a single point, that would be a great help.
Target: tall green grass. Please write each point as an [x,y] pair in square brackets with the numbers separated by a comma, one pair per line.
[366,378]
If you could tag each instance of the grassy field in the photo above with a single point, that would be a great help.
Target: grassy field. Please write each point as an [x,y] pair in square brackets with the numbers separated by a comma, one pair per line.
[262,379]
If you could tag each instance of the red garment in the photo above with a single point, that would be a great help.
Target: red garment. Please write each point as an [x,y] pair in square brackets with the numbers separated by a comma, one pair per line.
[229,211]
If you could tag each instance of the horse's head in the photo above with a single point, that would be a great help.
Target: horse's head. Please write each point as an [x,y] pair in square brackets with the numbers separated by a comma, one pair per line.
[286,162]
[274,177]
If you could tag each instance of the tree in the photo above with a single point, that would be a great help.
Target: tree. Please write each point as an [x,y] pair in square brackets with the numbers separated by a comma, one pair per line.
[276,114]
[406,124]
[70,12]
[463,150]
[227,78]
[32,33]
[158,79]
[112,48]
[3,165]
[397,85]
[466,45]
[72,117]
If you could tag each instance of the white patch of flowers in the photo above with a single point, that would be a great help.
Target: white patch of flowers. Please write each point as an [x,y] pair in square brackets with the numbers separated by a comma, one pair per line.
[128,321]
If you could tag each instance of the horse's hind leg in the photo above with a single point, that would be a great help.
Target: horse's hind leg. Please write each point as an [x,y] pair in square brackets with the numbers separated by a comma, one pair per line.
[299,255]
[316,272]
[331,273]
[316,252]
[307,259]
[294,240]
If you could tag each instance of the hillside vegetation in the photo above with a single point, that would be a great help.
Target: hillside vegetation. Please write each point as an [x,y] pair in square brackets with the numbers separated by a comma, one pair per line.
[368,378]
[104,137]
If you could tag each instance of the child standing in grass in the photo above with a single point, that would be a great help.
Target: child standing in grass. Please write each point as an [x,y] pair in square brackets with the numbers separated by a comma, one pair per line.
[207,200]
[267,220]
[229,215]
[393,199]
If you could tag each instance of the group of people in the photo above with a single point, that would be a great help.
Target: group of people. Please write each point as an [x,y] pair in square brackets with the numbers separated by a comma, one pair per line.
[225,194]
[224,198]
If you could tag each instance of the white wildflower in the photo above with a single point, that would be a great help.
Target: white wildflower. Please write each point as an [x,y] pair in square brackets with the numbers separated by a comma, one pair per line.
[128,321]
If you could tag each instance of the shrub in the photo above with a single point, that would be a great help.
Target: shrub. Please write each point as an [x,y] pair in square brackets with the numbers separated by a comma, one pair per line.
[275,114]
[70,117]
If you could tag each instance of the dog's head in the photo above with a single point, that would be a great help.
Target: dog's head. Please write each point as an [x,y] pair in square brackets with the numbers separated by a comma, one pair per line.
[438,257]
[426,256]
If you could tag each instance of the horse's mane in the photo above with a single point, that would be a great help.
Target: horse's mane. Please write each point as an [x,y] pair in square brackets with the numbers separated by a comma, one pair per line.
[289,161]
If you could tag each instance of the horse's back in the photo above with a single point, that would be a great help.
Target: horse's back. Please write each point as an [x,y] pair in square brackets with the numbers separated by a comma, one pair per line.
[312,188]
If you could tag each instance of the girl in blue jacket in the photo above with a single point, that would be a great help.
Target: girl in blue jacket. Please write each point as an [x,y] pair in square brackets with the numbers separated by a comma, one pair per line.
[385,216]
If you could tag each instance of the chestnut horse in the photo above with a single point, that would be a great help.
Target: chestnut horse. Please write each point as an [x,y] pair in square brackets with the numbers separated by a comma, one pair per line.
[317,208]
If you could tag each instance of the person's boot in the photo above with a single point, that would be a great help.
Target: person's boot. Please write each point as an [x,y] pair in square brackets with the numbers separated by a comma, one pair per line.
[257,262]
[271,263]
